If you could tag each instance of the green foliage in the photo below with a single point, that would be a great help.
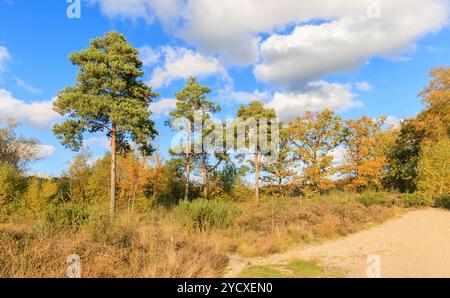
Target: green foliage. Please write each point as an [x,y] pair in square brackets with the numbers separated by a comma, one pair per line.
[403,159]
[442,202]
[370,198]
[67,215]
[191,100]
[74,216]
[294,269]
[12,188]
[204,214]
[40,192]
[257,111]
[108,96]
[434,168]
[228,177]
[281,171]
[416,199]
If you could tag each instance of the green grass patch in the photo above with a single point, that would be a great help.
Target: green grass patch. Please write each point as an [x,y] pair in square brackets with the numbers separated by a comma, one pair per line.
[294,269]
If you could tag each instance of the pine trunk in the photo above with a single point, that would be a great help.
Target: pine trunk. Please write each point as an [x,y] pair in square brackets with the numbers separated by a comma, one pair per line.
[257,165]
[112,202]
[204,176]
[188,161]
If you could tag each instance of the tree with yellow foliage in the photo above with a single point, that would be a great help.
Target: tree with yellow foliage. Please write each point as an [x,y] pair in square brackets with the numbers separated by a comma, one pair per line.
[78,174]
[435,119]
[434,169]
[134,176]
[314,136]
[365,154]
[38,196]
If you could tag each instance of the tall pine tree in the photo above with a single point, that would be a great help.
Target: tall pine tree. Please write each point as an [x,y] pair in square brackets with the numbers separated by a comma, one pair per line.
[108,97]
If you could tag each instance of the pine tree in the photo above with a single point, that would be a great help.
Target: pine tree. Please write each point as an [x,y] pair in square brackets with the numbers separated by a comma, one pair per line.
[108,97]
[256,111]
[191,101]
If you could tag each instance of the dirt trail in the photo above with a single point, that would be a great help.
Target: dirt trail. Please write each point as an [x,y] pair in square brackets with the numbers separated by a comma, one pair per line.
[416,244]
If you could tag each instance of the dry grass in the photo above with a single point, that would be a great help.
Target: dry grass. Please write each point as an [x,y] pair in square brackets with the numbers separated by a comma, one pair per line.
[159,244]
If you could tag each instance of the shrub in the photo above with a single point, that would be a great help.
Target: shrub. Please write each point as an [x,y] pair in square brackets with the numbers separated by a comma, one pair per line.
[442,202]
[370,198]
[416,199]
[12,186]
[66,215]
[434,168]
[206,214]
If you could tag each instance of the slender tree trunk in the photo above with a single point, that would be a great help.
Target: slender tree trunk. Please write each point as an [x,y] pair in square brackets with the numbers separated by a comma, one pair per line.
[257,165]
[188,161]
[112,201]
[204,176]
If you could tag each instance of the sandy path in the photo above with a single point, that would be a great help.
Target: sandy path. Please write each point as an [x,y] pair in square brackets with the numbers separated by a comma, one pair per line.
[416,244]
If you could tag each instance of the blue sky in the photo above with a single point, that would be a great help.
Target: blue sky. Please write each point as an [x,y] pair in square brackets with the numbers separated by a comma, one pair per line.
[292,55]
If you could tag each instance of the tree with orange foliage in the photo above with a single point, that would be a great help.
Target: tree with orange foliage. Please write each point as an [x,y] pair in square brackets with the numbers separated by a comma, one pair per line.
[365,155]
[133,179]
[435,119]
[314,136]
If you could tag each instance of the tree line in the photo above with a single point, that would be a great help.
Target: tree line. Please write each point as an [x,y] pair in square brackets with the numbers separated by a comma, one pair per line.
[109,97]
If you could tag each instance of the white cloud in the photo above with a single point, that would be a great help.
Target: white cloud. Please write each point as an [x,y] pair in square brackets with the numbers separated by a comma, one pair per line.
[329,35]
[315,97]
[35,114]
[24,85]
[44,151]
[140,9]
[233,28]
[163,107]
[180,63]
[148,55]
[132,9]
[312,51]
[364,86]
[4,57]
[230,96]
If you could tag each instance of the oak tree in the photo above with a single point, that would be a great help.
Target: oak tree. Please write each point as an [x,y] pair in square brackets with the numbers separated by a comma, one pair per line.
[314,136]
[365,155]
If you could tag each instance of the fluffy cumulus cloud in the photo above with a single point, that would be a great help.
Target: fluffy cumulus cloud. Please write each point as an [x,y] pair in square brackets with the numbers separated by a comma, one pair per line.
[163,107]
[312,51]
[4,57]
[180,63]
[315,97]
[133,9]
[35,114]
[289,43]
[234,29]
[230,96]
